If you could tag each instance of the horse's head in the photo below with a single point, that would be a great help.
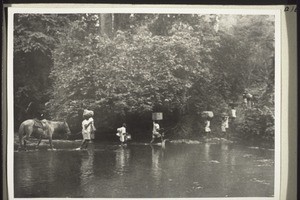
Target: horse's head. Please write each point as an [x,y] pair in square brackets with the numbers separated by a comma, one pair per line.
[67,129]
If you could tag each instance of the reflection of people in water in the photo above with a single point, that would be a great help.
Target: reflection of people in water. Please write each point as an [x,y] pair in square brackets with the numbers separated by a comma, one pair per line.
[224,152]
[207,151]
[157,154]
[87,166]
[122,158]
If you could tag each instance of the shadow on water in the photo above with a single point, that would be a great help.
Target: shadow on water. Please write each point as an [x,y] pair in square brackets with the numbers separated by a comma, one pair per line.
[143,170]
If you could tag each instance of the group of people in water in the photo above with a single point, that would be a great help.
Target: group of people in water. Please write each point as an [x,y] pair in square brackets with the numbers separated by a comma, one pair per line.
[88,127]
[88,131]
[249,101]
[224,124]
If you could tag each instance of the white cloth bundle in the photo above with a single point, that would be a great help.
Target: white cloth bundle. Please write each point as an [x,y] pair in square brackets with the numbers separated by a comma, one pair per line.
[207,114]
[88,113]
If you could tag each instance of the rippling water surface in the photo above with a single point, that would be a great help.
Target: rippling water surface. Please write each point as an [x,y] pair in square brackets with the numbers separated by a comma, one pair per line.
[140,170]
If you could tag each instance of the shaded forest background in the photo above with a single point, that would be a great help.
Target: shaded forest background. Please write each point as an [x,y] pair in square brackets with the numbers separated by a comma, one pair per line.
[126,66]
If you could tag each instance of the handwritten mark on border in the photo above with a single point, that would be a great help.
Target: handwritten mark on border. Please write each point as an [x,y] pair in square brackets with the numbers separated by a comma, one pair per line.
[290,9]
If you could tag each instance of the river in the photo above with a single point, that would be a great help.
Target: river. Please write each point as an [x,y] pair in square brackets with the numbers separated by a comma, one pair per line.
[218,169]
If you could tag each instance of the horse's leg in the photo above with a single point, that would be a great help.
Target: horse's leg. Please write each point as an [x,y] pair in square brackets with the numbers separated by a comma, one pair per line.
[21,145]
[50,142]
[40,139]
[24,145]
[49,132]
[23,131]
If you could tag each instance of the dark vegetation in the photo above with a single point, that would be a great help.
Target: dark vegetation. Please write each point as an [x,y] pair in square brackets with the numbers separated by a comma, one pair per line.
[125,66]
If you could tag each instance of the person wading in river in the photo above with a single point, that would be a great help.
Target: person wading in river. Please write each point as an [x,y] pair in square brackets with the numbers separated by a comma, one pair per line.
[87,124]
[122,134]
[155,132]
[207,128]
[225,125]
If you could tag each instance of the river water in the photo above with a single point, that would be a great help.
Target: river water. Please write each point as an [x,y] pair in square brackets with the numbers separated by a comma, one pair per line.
[219,169]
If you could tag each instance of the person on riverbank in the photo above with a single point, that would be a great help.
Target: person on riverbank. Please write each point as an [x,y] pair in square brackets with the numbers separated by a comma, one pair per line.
[224,125]
[122,134]
[87,124]
[248,99]
[155,132]
[233,112]
[207,128]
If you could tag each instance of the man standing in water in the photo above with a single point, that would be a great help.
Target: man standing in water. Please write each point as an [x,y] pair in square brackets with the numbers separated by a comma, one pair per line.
[155,132]
[122,134]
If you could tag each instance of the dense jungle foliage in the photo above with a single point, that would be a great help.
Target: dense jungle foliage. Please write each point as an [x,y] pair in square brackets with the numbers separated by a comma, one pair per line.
[126,66]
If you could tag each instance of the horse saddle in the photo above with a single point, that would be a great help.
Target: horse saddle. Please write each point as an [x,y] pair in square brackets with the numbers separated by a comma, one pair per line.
[39,124]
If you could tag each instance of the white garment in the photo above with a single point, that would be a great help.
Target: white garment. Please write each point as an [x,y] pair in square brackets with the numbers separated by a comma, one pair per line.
[122,133]
[207,126]
[121,130]
[233,113]
[86,130]
[90,127]
[155,128]
[225,124]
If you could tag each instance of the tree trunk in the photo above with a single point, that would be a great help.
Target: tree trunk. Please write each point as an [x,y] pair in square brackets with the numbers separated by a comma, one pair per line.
[102,24]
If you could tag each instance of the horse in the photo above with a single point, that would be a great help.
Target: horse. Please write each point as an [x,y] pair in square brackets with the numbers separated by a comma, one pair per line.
[46,129]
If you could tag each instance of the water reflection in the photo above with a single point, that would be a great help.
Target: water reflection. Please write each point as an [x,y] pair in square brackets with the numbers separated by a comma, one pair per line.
[207,151]
[204,170]
[225,175]
[122,159]
[157,156]
[26,172]
[37,171]
[87,166]
[224,152]
[51,166]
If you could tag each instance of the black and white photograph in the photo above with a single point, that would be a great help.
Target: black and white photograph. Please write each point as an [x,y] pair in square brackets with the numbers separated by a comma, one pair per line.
[144,103]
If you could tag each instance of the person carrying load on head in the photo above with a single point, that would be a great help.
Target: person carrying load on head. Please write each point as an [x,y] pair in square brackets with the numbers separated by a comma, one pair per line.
[249,99]
[233,110]
[207,127]
[87,128]
[155,132]
[207,116]
[224,123]
[123,134]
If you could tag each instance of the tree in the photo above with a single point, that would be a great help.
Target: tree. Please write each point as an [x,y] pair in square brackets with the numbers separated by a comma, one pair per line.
[125,66]
[134,72]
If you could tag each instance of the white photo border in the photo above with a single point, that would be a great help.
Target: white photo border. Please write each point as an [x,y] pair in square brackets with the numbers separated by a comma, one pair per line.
[160,9]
